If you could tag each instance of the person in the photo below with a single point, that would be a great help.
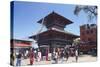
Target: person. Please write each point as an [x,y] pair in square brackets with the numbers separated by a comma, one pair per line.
[76,55]
[62,56]
[58,50]
[31,56]
[66,53]
[26,53]
[39,56]
[72,52]
[18,63]
[35,55]
[47,54]
[55,56]
[12,58]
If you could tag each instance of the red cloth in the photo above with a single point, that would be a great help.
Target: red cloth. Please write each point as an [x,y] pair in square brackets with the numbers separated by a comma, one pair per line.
[47,55]
[31,56]
[21,45]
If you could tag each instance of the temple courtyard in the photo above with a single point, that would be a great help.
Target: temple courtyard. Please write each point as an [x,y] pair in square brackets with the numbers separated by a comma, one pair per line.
[82,58]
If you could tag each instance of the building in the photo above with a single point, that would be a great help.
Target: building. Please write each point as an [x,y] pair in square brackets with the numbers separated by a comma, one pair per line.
[20,45]
[55,36]
[88,32]
[88,36]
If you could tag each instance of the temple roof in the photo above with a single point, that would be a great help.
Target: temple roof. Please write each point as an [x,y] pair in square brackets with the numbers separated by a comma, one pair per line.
[55,24]
[57,31]
[66,32]
[53,16]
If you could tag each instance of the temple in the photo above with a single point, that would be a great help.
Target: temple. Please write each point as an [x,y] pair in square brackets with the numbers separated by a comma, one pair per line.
[55,36]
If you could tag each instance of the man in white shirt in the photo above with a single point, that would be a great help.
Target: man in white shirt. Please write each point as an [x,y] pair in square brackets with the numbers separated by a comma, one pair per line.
[76,55]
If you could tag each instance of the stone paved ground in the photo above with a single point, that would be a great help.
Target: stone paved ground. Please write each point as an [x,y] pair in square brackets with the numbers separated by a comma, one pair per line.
[83,58]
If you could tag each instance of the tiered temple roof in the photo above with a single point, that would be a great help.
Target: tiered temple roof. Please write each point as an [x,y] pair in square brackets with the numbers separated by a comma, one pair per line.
[55,23]
[55,20]
[53,31]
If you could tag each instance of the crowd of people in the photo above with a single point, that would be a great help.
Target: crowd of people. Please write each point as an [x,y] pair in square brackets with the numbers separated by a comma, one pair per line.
[55,56]
[64,54]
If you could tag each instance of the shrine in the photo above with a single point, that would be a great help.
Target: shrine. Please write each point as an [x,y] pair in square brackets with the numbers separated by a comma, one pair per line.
[55,36]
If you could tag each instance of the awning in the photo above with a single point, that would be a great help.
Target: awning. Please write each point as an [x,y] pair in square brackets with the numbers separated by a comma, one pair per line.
[22,45]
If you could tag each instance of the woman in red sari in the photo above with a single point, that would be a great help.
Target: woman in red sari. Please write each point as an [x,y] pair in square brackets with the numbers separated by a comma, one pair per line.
[47,54]
[31,56]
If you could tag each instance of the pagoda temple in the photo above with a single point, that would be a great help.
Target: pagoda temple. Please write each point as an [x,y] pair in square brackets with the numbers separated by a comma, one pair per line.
[55,36]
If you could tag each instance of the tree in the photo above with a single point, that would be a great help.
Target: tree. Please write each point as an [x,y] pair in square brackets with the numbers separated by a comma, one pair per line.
[91,11]
[76,42]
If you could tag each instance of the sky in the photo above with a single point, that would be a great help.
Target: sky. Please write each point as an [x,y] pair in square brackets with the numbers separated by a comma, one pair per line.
[26,15]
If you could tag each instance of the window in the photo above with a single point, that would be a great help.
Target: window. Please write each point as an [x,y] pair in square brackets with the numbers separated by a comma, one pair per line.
[91,31]
[82,33]
[87,32]
[89,39]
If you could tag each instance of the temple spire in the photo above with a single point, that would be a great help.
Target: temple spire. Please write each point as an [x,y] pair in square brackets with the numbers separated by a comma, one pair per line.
[55,20]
